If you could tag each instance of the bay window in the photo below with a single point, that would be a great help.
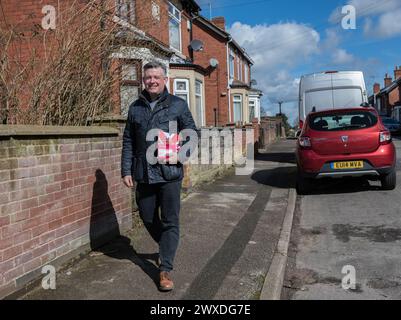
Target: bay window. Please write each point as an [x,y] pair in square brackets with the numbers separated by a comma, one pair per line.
[181,89]
[199,103]
[237,99]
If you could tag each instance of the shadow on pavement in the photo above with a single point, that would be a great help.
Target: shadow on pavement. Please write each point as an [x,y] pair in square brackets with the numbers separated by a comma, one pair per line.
[283,177]
[343,185]
[105,234]
[283,157]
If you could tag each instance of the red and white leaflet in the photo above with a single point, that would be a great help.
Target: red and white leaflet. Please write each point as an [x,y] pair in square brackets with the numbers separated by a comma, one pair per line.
[167,146]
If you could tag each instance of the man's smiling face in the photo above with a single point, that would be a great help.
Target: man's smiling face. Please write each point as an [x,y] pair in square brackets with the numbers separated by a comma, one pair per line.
[155,81]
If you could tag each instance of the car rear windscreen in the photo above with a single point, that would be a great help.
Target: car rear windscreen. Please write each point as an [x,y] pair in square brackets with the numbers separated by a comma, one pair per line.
[333,98]
[336,121]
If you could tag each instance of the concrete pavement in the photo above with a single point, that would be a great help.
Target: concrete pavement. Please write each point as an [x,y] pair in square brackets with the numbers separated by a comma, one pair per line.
[229,232]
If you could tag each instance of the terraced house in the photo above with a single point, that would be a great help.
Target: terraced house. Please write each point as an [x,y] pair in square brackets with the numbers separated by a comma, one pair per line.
[206,66]
[66,64]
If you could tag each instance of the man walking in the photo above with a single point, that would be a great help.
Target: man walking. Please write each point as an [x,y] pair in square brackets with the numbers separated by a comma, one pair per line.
[158,185]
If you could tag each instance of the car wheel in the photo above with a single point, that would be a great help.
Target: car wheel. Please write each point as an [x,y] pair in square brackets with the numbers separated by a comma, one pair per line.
[303,185]
[388,181]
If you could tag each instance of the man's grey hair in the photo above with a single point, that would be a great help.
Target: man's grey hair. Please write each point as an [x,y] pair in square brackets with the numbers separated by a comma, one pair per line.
[155,65]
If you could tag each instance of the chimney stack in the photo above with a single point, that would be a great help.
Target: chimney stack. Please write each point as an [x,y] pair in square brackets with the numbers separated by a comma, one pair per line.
[376,88]
[220,22]
[397,72]
[387,80]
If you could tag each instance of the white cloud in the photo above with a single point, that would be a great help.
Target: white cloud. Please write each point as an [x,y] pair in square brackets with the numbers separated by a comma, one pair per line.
[380,19]
[276,49]
[341,57]
[366,8]
[272,46]
[386,26]
[332,39]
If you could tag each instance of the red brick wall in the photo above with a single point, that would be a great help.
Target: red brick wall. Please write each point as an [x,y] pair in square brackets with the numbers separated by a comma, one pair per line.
[216,81]
[394,96]
[145,21]
[57,194]
[220,22]
[33,43]
[185,35]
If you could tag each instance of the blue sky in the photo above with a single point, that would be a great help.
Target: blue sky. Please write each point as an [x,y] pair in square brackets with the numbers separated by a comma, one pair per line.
[288,38]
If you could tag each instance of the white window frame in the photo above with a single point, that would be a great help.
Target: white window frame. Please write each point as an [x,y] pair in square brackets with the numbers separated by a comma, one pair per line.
[238,69]
[172,15]
[182,92]
[200,95]
[235,99]
[231,64]
[126,10]
[252,101]
[246,73]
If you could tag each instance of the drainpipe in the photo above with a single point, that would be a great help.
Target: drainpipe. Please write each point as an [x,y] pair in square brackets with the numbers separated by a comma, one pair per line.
[191,51]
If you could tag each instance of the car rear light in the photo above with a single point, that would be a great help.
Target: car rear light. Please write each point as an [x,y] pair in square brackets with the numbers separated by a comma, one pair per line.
[305,142]
[385,137]
[301,124]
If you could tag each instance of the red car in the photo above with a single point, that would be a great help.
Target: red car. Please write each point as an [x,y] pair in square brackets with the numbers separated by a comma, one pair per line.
[345,142]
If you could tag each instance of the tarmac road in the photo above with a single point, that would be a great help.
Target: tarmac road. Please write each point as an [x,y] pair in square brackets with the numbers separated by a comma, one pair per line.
[347,223]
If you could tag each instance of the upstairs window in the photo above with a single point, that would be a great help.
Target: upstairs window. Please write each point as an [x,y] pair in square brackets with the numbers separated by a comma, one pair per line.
[246,79]
[231,65]
[125,10]
[174,27]
[238,71]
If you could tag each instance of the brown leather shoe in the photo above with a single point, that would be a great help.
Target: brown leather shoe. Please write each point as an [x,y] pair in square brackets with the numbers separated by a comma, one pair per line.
[166,284]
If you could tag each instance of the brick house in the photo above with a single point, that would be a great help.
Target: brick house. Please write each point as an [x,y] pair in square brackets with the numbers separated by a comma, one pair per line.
[244,100]
[226,69]
[215,81]
[164,25]
[387,100]
[143,37]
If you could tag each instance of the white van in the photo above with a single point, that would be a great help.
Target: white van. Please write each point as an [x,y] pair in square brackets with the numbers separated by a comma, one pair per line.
[330,90]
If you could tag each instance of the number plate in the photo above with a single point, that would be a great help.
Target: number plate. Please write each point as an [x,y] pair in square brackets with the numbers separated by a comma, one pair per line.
[347,165]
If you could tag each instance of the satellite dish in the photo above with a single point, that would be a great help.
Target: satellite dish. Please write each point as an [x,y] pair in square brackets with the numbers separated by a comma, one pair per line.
[213,62]
[253,82]
[196,45]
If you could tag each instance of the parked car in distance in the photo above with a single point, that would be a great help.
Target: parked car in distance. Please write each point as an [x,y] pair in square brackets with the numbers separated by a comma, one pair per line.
[392,125]
[345,142]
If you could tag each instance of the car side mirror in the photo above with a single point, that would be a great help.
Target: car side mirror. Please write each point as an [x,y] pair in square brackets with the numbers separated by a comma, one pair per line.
[365,105]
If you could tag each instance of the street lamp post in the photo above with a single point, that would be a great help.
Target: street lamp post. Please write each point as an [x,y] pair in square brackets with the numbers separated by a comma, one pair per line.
[279,105]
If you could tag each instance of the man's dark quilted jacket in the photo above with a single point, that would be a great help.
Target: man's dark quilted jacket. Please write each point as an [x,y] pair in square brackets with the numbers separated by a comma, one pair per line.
[140,120]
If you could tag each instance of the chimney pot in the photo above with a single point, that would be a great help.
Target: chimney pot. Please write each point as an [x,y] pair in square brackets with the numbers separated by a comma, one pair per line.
[376,88]
[220,22]
[397,73]
[387,80]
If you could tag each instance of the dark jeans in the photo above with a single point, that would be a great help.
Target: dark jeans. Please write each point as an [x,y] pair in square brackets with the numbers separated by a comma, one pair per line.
[163,227]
